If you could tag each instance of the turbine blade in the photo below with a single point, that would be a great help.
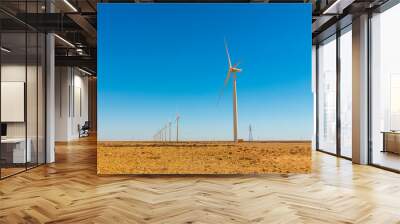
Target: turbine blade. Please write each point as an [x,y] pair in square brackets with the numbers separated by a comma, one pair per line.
[222,89]
[227,54]
[235,65]
[227,78]
[221,92]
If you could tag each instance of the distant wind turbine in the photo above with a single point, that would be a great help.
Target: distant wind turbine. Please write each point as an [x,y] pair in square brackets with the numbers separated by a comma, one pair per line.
[169,130]
[233,69]
[177,127]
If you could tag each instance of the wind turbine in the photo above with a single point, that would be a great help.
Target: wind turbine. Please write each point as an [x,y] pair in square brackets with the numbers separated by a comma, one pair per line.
[165,132]
[177,127]
[233,69]
[169,130]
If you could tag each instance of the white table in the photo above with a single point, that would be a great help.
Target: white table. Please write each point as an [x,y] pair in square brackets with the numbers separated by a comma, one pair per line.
[19,153]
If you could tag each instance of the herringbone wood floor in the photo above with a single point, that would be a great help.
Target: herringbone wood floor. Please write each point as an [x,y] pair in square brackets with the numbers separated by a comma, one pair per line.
[69,191]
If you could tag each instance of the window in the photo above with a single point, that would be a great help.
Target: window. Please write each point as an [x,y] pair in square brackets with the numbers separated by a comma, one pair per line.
[346,92]
[327,95]
[385,89]
[22,89]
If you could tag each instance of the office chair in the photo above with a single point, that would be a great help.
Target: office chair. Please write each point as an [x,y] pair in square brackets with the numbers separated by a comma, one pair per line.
[84,130]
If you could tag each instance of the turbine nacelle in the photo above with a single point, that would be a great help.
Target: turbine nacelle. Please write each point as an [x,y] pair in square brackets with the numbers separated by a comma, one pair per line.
[233,69]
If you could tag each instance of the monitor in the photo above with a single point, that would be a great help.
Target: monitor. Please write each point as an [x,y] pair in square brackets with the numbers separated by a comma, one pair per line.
[3,129]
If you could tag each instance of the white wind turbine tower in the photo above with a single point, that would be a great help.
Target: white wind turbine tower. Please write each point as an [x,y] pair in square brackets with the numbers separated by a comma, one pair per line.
[233,70]
[165,132]
[169,130]
[177,127]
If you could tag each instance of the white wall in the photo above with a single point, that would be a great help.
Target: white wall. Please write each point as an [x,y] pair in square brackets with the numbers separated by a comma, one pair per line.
[80,110]
[16,73]
[62,82]
[71,94]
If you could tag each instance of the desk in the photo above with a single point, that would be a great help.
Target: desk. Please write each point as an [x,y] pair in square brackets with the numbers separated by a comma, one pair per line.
[391,141]
[13,150]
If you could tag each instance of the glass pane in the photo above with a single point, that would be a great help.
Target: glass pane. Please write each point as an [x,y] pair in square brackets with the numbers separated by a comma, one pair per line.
[346,93]
[22,89]
[31,88]
[386,89]
[13,88]
[313,80]
[41,98]
[327,96]
[31,100]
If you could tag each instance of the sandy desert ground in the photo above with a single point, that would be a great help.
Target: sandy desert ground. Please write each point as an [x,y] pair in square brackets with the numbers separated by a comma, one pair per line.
[203,157]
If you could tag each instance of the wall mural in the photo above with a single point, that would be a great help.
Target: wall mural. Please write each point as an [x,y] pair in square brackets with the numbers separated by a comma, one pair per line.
[204,88]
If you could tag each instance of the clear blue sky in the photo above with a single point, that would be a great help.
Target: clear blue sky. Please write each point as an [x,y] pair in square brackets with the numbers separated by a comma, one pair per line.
[156,60]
